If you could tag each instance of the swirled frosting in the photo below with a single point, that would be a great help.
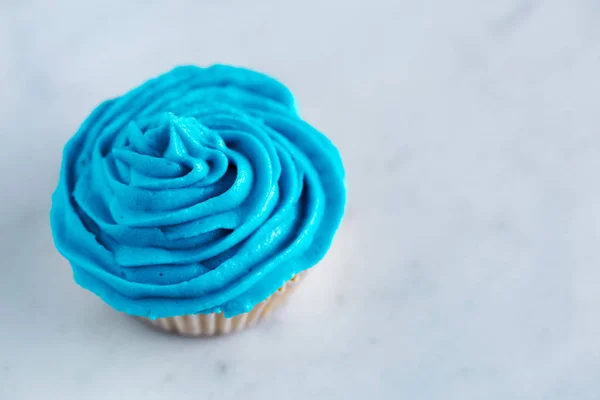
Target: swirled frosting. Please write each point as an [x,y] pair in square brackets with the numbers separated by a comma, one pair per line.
[200,191]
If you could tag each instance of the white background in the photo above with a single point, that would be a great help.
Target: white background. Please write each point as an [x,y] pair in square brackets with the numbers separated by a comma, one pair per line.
[467,264]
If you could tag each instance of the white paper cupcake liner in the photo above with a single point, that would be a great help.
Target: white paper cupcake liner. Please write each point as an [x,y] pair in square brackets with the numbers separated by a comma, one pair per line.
[216,324]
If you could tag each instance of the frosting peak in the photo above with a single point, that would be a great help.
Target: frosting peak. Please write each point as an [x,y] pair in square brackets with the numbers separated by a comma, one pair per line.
[200,191]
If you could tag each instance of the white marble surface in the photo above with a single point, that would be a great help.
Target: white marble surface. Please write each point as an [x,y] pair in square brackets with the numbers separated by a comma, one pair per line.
[467,265]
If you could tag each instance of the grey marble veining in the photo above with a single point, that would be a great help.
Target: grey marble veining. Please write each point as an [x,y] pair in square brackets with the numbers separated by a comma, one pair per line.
[467,265]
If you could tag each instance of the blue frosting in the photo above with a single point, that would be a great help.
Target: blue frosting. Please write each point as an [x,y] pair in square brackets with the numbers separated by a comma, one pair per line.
[200,191]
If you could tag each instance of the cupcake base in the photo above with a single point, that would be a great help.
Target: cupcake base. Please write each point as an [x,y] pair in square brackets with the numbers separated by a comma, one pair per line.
[206,325]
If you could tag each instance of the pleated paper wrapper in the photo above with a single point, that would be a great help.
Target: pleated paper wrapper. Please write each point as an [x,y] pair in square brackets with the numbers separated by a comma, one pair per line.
[216,324]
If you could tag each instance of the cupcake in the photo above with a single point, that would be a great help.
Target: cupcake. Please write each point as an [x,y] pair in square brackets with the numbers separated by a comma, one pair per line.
[198,200]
